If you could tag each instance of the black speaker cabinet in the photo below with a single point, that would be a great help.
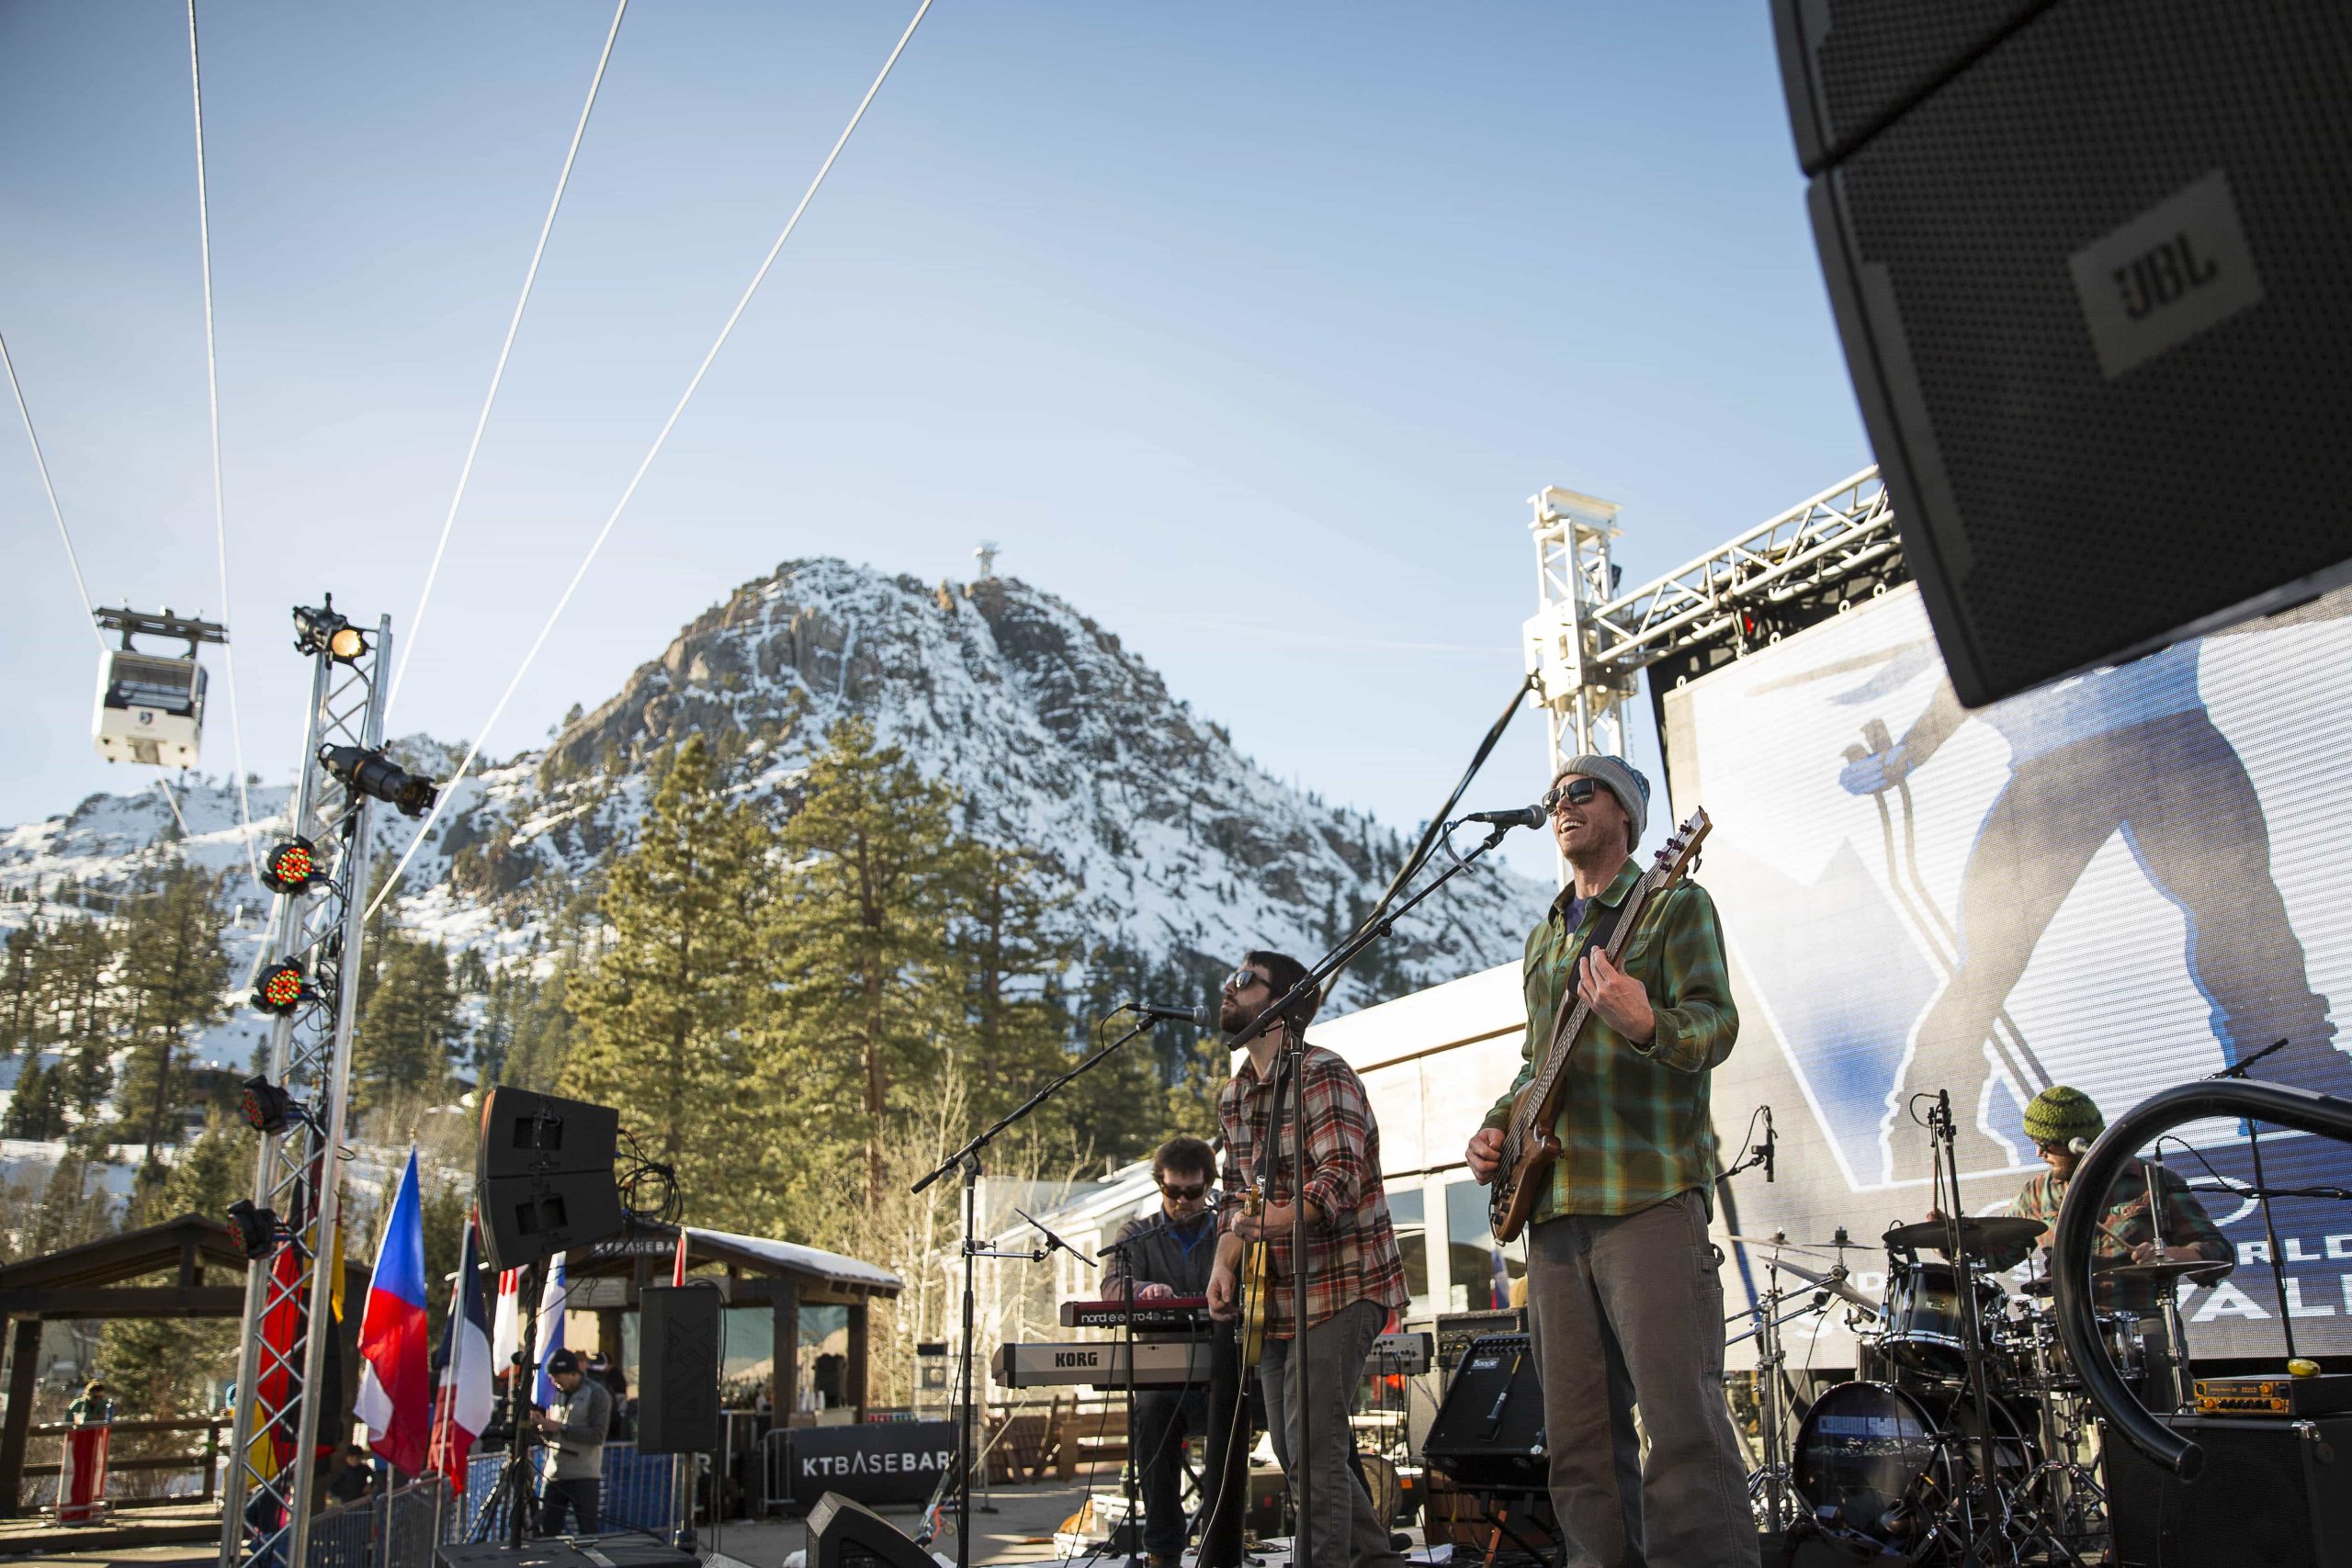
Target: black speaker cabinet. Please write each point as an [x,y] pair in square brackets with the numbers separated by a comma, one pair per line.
[2085,260]
[1489,1435]
[677,1369]
[543,1174]
[843,1534]
[2273,1492]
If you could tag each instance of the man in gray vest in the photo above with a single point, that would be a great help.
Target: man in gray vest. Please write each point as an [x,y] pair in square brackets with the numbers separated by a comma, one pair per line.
[572,1468]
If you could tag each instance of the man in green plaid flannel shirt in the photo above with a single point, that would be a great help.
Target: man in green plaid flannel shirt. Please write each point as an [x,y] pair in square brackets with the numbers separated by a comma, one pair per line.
[1627,1309]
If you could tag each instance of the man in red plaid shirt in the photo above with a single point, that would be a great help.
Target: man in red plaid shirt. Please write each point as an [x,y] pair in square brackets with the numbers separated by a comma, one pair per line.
[1355,1277]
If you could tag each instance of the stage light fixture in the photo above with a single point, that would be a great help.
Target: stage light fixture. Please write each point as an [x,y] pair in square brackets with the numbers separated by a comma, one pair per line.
[256,1228]
[372,773]
[324,629]
[292,866]
[282,988]
[266,1107]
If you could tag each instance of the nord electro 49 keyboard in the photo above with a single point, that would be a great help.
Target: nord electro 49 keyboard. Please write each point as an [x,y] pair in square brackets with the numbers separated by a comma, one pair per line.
[1169,1315]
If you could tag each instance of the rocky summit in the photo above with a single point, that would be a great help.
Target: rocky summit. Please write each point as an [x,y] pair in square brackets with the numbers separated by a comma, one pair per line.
[1180,850]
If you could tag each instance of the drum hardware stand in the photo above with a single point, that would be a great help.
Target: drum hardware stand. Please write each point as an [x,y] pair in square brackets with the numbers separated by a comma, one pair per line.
[1772,1475]
[2270,1230]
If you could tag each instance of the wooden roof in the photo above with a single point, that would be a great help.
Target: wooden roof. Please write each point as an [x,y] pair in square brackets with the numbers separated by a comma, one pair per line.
[199,1252]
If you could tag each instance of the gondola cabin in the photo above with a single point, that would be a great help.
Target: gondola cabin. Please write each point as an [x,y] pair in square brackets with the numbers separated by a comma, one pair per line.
[151,704]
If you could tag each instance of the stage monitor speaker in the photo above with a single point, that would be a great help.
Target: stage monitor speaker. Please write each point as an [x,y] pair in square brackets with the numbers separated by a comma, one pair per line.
[2085,257]
[1489,1435]
[543,1174]
[843,1534]
[677,1369]
[2272,1492]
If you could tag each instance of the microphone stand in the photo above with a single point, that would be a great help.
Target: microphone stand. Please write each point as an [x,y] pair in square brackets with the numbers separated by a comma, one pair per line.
[2270,1230]
[968,1161]
[1294,1058]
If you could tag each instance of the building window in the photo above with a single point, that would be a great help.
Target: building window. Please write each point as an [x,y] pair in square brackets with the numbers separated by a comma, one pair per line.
[1412,1243]
[1481,1273]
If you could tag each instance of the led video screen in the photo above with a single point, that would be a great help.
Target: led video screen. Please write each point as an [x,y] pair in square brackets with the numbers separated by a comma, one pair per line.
[2121,882]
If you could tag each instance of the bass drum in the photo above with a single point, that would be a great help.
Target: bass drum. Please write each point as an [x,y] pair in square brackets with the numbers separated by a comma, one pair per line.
[1882,1462]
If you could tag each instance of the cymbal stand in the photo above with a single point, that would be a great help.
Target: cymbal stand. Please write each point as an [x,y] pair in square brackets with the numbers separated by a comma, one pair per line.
[1771,1477]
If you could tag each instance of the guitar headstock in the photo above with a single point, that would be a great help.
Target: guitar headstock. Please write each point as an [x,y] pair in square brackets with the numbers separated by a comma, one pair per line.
[1678,856]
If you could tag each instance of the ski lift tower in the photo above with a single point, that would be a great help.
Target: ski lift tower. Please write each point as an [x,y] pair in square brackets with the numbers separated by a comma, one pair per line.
[1583,697]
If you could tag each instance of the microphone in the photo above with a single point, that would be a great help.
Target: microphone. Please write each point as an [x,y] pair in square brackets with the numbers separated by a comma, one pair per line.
[1770,1140]
[1197,1017]
[2078,1146]
[1523,817]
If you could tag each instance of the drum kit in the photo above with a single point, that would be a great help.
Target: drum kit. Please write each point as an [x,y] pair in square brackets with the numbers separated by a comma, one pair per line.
[1967,1435]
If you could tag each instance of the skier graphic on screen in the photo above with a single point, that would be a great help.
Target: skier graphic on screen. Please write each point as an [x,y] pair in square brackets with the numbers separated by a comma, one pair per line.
[2128,749]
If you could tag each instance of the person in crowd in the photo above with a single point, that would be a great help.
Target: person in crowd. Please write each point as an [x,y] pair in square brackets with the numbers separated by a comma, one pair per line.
[1355,1277]
[572,1465]
[1623,1295]
[1167,1253]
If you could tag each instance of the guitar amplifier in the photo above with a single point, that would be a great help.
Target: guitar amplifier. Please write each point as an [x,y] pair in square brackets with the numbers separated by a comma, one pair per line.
[1489,1435]
[1456,1330]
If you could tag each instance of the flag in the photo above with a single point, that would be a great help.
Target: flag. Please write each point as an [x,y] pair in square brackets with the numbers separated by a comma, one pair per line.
[507,1323]
[551,1294]
[282,1343]
[463,1408]
[396,1368]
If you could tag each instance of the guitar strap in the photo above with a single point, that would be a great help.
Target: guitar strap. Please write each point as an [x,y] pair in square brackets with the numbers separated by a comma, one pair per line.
[1602,929]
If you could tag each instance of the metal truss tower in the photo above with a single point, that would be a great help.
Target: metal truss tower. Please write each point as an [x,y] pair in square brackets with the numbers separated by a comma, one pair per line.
[1588,644]
[267,1503]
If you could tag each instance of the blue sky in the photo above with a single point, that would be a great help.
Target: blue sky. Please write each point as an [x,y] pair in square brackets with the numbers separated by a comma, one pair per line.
[1247,329]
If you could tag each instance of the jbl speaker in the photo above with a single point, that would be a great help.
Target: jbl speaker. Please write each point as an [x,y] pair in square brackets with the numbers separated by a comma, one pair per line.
[677,1369]
[843,1534]
[2085,257]
[1489,1435]
[543,1174]
[2273,1491]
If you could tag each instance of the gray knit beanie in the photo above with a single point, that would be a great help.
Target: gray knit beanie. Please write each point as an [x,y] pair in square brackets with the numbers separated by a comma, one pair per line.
[1620,779]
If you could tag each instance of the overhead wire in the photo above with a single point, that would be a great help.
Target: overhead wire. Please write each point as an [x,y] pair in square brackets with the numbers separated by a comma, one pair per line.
[212,402]
[448,787]
[505,351]
[41,461]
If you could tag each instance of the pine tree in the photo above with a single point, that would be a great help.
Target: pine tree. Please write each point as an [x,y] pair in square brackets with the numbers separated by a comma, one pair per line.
[660,1014]
[873,997]
[408,1017]
[74,1207]
[173,974]
[37,1107]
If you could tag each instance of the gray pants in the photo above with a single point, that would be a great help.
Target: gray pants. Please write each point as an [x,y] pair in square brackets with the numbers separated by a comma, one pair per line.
[1346,1533]
[1632,1304]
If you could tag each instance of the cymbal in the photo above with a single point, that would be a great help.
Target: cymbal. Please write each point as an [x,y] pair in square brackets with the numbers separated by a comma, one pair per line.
[2107,1278]
[1834,1282]
[1978,1233]
[1782,1244]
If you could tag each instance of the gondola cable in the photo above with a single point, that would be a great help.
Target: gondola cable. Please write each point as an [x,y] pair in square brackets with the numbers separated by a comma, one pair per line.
[448,788]
[41,462]
[219,510]
[498,374]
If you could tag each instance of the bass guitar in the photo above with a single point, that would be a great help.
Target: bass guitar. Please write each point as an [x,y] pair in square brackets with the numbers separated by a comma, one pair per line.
[1530,1149]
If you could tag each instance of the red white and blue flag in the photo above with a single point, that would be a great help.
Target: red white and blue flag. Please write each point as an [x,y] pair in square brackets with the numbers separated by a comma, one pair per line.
[463,1405]
[395,1357]
[552,1296]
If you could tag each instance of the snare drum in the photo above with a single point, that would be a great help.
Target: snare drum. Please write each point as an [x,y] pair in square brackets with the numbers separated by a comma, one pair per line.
[1923,1317]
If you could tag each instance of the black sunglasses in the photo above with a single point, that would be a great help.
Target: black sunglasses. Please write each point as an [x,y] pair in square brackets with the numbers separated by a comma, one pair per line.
[1242,979]
[1186,1194]
[1573,791]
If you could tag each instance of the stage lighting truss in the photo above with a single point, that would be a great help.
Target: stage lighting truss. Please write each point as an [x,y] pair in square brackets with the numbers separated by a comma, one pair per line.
[258,1232]
[299,1100]
[369,771]
[293,867]
[266,1107]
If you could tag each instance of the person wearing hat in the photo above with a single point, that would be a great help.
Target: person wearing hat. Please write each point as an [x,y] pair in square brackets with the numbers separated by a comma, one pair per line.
[91,1407]
[1626,1302]
[572,1468]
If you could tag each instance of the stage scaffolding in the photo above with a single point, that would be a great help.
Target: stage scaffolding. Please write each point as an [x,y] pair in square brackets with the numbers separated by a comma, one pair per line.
[1588,644]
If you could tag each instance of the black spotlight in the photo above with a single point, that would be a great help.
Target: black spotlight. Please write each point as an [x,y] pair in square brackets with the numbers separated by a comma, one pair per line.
[282,988]
[372,773]
[292,866]
[266,1107]
[324,629]
[256,1228]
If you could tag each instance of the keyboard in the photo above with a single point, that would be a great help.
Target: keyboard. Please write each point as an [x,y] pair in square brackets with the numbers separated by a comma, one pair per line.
[1173,1313]
[1160,1363]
